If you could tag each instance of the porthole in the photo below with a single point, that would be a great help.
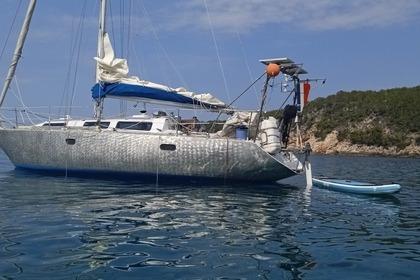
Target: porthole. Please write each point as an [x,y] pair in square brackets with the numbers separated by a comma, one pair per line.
[168,147]
[70,141]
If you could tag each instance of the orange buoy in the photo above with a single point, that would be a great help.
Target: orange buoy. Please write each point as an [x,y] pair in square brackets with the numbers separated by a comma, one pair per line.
[272,69]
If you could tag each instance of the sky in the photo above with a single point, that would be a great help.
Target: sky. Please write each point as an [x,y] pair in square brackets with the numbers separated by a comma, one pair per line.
[213,46]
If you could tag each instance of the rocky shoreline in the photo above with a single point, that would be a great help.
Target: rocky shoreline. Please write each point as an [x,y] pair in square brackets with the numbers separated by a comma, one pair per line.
[331,145]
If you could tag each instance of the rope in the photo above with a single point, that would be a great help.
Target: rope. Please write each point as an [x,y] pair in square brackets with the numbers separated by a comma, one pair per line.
[10,30]
[74,58]
[230,104]
[217,49]
[157,166]
[240,43]
[285,101]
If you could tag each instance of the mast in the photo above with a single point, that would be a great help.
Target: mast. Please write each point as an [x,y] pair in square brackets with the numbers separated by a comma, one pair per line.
[99,106]
[18,50]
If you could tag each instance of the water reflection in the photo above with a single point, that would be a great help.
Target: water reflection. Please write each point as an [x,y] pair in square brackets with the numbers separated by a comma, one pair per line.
[94,226]
[53,227]
[192,230]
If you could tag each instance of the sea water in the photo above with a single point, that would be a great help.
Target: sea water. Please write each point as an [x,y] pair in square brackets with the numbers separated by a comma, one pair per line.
[58,227]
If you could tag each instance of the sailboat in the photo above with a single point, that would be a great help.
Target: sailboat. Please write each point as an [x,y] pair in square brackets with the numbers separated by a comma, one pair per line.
[250,146]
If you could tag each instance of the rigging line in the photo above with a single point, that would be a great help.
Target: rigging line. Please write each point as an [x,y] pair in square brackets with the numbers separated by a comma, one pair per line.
[160,47]
[135,36]
[271,87]
[67,80]
[243,92]
[130,5]
[17,54]
[217,50]
[10,30]
[125,28]
[76,71]
[122,35]
[240,43]
[138,61]
[110,21]
[149,21]
[287,98]
[18,95]
[77,41]
[78,56]
[141,63]
[284,102]
[20,99]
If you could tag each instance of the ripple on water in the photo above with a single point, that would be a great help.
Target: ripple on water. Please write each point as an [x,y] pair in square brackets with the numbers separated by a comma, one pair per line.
[56,227]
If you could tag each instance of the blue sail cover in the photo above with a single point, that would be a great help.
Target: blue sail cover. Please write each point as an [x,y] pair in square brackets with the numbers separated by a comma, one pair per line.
[113,81]
[149,94]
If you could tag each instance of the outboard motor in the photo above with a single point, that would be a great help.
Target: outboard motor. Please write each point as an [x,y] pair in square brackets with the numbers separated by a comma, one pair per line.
[290,112]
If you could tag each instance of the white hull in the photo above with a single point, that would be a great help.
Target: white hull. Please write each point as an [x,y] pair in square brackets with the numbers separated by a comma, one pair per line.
[161,145]
[106,151]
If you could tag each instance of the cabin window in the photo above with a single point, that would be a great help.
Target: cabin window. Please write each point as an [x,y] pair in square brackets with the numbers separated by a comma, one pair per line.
[70,141]
[101,124]
[168,147]
[135,125]
[54,124]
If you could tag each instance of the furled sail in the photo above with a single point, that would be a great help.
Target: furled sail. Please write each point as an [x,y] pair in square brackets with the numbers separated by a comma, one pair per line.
[114,82]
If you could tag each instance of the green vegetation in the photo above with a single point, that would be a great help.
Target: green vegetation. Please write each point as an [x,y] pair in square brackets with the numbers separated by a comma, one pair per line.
[377,118]
[376,137]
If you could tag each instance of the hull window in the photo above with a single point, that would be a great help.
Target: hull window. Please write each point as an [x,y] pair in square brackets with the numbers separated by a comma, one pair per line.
[70,141]
[54,124]
[135,125]
[168,147]
[101,125]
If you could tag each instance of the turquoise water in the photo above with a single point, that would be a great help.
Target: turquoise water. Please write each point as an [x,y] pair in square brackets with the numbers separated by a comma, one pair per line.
[74,228]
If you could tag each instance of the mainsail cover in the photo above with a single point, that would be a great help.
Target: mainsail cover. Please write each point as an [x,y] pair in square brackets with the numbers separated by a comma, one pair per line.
[113,81]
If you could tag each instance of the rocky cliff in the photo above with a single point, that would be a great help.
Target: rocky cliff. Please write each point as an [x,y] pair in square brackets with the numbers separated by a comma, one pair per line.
[331,145]
[385,122]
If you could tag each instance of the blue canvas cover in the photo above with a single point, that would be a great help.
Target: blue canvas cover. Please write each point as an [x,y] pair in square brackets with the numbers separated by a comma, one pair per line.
[114,81]
[149,94]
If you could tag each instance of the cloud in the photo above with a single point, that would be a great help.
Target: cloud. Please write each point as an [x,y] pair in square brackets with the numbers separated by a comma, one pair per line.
[247,15]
